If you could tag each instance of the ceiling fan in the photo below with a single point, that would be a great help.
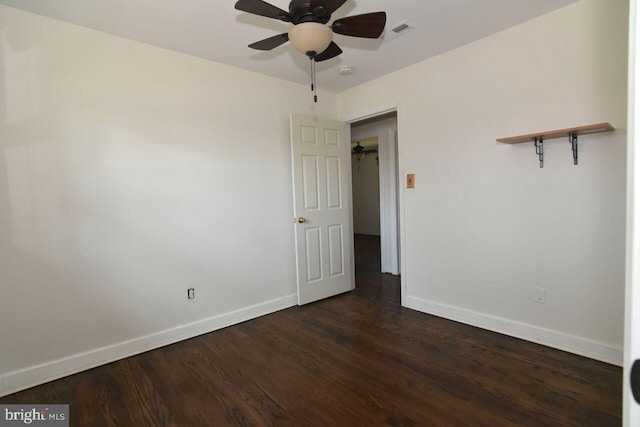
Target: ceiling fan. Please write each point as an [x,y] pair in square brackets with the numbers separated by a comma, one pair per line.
[358,151]
[310,35]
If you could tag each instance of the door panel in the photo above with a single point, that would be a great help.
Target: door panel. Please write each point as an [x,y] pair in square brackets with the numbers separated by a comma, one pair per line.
[336,251]
[310,180]
[334,195]
[322,207]
[313,256]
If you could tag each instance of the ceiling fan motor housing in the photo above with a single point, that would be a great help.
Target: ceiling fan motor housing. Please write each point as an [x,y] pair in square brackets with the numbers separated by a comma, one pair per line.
[301,11]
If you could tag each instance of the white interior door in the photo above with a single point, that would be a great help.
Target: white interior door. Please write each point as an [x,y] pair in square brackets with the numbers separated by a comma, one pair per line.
[322,207]
[632,314]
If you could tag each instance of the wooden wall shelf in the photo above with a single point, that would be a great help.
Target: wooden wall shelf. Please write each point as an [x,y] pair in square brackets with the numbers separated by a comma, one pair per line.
[561,133]
[572,133]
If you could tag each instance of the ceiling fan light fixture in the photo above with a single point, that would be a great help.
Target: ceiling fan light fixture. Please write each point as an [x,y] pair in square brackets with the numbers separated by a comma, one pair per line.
[310,38]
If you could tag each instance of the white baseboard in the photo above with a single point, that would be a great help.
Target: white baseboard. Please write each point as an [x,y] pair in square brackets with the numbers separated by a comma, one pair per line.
[549,338]
[35,375]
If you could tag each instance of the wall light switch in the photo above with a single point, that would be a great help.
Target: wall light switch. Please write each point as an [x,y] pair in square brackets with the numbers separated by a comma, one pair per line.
[411,180]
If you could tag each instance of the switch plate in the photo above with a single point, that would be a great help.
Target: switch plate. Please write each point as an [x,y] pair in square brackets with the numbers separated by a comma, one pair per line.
[411,180]
[541,295]
[191,293]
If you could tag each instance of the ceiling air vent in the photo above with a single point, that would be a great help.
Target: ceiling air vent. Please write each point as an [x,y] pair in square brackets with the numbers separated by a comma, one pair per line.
[398,30]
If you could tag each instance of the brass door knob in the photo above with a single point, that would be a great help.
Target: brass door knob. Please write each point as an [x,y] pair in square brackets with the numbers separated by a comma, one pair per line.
[301,219]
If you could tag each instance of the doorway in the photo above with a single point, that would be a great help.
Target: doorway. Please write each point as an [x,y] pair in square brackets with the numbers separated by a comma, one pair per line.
[375,191]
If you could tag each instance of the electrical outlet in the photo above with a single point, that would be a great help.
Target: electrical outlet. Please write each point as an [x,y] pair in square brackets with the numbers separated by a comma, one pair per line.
[191,293]
[541,295]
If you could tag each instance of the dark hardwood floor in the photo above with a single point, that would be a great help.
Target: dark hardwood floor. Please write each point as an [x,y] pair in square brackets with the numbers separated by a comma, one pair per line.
[358,359]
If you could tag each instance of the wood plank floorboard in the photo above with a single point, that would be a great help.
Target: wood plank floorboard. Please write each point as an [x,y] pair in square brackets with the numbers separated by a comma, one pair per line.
[357,359]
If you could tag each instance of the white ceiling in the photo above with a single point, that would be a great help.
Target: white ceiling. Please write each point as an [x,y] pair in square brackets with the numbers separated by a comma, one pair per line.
[214,30]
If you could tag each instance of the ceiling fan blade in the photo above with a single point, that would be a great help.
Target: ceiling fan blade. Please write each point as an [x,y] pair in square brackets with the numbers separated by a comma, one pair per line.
[369,25]
[331,52]
[329,5]
[271,42]
[262,8]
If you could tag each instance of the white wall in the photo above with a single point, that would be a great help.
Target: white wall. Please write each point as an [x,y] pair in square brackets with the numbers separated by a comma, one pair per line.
[485,225]
[128,174]
[366,195]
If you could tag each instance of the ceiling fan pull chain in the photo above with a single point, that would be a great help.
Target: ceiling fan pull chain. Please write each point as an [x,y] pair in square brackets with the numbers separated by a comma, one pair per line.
[311,72]
[313,79]
[315,85]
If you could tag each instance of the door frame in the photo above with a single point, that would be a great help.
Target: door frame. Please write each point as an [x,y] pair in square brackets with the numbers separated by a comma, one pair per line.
[631,411]
[399,184]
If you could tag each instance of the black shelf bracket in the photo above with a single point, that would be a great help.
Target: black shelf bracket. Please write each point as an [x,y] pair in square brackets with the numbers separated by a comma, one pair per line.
[539,143]
[573,139]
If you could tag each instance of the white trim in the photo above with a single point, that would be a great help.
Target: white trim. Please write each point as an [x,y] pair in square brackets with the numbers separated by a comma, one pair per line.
[631,410]
[359,118]
[387,149]
[547,337]
[401,211]
[12,382]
